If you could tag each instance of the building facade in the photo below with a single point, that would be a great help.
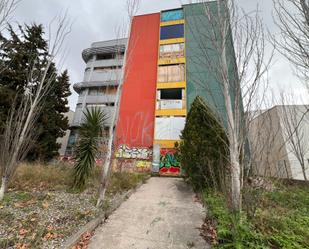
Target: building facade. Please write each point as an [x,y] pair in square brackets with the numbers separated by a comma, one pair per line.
[104,61]
[279,142]
[164,71]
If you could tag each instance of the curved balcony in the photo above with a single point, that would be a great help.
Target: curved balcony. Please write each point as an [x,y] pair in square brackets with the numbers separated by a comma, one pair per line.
[104,47]
[105,63]
[89,99]
[109,75]
[79,116]
[78,87]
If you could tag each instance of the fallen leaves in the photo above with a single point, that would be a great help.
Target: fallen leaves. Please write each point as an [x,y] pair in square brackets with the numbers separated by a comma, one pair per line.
[23,232]
[21,246]
[84,241]
[208,231]
[23,204]
[50,235]
[45,204]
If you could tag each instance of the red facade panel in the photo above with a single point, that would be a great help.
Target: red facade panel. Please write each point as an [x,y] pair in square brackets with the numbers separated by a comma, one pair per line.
[135,126]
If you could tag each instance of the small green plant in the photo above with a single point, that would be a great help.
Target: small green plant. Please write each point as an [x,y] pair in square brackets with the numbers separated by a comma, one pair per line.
[90,134]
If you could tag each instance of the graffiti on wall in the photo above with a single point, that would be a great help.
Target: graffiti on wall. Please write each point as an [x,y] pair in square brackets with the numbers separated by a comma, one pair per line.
[169,162]
[133,153]
[143,166]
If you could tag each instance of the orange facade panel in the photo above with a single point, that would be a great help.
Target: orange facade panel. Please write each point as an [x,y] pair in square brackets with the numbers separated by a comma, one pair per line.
[135,126]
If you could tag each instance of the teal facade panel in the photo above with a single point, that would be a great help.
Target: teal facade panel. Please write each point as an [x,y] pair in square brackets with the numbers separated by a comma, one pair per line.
[202,76]
[171,15]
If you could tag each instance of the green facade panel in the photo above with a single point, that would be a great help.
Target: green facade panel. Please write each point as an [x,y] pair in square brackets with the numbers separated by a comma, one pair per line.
[202,78]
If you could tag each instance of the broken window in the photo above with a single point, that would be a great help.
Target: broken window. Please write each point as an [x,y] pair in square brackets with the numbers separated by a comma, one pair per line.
[171,15]
[173,93]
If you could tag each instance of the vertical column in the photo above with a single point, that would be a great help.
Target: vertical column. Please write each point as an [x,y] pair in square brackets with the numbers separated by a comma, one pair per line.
[135,128]
[171,84]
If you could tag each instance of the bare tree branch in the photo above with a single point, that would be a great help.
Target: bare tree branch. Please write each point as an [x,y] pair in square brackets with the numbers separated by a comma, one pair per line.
[20,128]
[292,19]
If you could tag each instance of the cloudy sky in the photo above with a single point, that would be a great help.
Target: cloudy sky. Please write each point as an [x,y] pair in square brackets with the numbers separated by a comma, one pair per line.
[95,20]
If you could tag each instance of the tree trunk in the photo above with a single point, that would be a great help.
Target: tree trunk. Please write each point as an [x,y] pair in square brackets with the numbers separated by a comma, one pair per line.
[3,187]
[107,165]
[304,170]
[235,177]
[232,119]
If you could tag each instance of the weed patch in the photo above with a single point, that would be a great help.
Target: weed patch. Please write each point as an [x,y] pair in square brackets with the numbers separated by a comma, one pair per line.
[281,220]
[41,210]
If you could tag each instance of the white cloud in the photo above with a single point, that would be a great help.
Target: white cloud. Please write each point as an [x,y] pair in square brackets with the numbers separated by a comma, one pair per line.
[96,20]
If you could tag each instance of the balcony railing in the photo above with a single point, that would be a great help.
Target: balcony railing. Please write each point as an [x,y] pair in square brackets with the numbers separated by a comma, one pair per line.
[170,104]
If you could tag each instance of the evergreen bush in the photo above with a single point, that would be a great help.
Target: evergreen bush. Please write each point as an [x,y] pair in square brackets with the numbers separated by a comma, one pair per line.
[203,150]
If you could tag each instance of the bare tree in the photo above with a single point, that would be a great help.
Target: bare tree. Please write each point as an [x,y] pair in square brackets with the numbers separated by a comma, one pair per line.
[232,45]
[292,19]
[20,127]
[132,7]
[295,120]
[7,7]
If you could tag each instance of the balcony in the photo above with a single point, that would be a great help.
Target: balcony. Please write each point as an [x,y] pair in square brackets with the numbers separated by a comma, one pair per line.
[97,99]
[170,104]
[79,115]
[108,75]
[105,63]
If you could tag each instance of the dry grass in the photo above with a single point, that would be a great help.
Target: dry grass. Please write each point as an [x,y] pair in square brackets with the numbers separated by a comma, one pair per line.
[34,176]
[40,209]
[42,176]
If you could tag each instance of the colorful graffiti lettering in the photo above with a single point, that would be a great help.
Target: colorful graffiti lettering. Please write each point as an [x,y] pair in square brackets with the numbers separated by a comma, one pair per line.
[133,153]
[169,163]
[143,164]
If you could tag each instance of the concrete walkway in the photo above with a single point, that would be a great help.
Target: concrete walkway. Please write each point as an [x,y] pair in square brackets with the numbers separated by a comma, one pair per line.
[161,214]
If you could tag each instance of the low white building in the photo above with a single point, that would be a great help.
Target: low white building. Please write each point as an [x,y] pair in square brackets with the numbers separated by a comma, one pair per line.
[279,142]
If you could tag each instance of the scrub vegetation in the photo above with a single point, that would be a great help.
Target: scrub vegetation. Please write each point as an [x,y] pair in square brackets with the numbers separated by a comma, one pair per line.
[41,209]
[280,220]
[275,214]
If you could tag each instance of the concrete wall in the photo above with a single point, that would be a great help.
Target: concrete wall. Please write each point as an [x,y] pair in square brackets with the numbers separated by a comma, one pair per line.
[269,155]
[293,116]
[271,149]
[64,140]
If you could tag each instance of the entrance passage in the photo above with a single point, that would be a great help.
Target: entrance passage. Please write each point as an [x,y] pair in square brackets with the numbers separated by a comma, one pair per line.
[169,163]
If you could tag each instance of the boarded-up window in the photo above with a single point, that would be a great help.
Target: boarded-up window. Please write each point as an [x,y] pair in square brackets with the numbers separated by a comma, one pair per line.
[171,15]
[172,50]
[171,73]
[172,31]
[169,128]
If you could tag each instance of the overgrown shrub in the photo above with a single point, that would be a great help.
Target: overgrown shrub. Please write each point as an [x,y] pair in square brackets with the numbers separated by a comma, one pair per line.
[203,150]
